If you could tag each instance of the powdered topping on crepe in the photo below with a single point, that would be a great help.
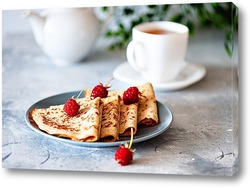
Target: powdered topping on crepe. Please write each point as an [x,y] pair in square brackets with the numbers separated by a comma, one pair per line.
[85,126]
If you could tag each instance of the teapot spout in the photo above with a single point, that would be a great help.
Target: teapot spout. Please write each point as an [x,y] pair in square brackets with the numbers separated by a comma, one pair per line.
[37,24]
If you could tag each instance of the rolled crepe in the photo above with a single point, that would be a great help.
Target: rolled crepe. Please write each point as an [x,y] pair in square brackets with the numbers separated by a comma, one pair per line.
[110,119]
[147,112]
[147,108]
[128,113]
[85,126]
[146,115]
[128,119]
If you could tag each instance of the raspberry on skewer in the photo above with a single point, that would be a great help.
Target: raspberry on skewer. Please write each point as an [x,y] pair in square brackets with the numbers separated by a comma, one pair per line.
[100,90]
[71,107]
[124,155]
[131,95]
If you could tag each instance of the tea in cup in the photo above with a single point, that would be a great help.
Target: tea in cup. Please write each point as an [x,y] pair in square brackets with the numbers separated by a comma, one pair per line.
[157,50]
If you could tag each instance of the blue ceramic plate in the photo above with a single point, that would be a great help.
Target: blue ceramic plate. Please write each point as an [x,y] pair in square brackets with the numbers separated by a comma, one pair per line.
[165,119]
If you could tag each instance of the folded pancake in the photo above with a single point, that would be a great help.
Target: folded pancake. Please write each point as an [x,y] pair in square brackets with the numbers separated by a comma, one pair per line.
[128,119]
[147,108]
[85,126]
[110,119]
[87,93]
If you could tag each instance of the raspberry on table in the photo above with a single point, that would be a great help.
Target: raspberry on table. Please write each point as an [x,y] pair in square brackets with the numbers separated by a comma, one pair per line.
[131,95]
[124,155]
[71,107]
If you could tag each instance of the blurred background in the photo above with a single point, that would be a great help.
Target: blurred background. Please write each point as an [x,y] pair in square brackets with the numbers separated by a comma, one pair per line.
[218,17]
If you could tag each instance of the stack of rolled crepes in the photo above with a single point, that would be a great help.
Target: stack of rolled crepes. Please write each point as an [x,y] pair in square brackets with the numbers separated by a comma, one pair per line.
[100,119]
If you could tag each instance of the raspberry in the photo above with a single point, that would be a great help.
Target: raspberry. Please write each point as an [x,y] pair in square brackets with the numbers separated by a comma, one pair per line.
[71,107]
[131,95]
[124,155]
[100,90]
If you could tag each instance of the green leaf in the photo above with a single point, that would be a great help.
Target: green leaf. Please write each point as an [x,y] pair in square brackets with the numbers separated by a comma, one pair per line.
[149,16]
[177,17]
[152,6]
[190,26]
[104,9]
[229,43]
[128,11]
[165,8]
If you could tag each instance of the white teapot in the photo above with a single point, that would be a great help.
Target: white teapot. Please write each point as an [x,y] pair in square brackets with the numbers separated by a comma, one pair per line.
[66,35]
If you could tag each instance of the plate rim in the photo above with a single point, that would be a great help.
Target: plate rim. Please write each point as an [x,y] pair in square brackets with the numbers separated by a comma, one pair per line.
[99,144]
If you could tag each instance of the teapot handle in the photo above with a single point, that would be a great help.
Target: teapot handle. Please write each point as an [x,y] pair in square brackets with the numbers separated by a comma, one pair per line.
[107,19]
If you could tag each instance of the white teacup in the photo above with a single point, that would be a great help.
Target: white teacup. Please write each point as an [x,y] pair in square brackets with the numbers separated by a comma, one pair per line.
[158,49]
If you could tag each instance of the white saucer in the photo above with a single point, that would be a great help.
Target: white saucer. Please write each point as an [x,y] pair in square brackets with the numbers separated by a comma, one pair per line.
[191,74]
